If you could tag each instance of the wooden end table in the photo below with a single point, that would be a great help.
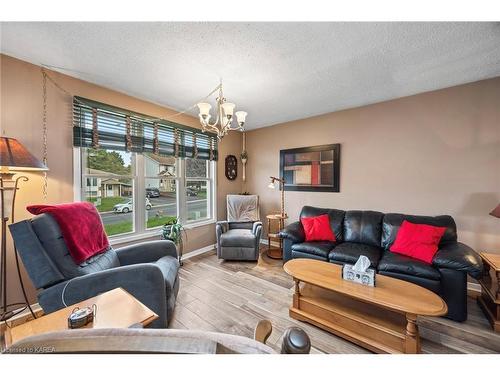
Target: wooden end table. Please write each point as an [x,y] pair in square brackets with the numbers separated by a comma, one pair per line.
[275,253]
[115,309]
[489,301]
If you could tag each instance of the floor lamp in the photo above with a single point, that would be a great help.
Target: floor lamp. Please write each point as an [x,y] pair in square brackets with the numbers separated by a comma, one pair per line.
[14,157]
[273,253]
[272,185]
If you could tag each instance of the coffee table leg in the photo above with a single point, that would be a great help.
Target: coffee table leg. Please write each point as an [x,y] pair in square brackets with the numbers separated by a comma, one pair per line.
[412,342]
[296,296]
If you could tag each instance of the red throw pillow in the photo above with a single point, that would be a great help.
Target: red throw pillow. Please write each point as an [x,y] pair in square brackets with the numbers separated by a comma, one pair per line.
[317,228]
[419,241]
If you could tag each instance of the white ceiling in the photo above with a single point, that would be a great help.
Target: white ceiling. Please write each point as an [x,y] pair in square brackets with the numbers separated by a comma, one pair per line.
[277,72]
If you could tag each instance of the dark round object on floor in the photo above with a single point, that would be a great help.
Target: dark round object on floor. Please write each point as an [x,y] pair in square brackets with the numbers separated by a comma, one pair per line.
[295,341]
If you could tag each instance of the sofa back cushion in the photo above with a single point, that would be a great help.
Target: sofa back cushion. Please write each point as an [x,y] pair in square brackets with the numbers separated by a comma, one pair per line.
[40,267]
[50,236]
[418,241]
[363,227]
[317,228]
[392,222]
[336,219]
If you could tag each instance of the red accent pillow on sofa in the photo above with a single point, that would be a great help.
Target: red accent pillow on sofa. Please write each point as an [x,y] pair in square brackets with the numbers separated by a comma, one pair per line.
[317,228]
[419,241]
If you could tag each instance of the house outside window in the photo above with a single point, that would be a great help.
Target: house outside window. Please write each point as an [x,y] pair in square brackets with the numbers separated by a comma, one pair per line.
[117,182]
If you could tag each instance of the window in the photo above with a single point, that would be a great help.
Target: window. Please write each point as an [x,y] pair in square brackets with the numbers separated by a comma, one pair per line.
[114,180]
[197,189]
[113,190]
[139,171]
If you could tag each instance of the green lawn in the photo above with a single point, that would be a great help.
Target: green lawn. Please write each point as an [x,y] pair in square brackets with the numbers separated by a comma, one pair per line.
[118,228]
[126,226]
[107,204]
[159,221]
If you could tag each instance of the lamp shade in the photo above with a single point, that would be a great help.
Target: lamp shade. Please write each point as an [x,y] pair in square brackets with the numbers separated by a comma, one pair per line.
[241,116]
[204,108]
[228,108]
[15,157]
[496,211]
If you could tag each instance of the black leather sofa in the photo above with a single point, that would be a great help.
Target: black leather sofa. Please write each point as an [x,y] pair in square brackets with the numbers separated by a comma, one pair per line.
[372,233]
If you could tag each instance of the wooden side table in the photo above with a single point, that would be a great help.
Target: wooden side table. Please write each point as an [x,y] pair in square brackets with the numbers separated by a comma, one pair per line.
[115,309]
[275,253]
[489,301]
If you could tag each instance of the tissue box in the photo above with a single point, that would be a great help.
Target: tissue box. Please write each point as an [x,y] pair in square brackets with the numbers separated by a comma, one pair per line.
[364,277]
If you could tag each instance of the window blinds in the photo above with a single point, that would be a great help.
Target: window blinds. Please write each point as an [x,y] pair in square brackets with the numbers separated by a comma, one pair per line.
[107,127]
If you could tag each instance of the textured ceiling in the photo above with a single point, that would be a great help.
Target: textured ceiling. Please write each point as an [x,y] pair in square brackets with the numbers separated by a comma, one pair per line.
[277,72]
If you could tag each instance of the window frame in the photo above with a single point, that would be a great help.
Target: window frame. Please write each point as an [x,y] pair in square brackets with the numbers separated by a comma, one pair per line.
[140,230]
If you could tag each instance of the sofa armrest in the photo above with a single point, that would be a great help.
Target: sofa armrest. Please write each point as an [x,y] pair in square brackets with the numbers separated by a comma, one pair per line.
[144,281]
[460,257]
[293,232]
[146,252]
[221,226]
[257,227]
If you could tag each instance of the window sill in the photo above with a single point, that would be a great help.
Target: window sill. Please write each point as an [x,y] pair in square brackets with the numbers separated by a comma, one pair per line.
[199,223]
[153,232]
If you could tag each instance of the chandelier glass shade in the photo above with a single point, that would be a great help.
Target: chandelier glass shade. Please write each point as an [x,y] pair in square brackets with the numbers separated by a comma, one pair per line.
[224,120]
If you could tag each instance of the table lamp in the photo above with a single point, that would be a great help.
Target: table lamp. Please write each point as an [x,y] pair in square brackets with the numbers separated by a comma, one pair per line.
[272,185]
[14,157]
[496,211]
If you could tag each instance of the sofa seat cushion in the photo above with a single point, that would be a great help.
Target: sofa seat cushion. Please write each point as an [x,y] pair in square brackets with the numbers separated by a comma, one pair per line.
[169,267]
[396,263]
[349,252]
[318,248]
[237,238]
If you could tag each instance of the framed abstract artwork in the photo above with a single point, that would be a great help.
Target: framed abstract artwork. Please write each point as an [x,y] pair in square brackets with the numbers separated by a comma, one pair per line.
[315,168]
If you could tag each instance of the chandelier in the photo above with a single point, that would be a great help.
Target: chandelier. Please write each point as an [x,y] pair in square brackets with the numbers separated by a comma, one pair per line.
[224,117]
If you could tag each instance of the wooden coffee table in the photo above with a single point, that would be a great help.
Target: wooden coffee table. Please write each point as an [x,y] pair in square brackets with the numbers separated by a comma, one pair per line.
[382,319]
[489,301]
[115,309]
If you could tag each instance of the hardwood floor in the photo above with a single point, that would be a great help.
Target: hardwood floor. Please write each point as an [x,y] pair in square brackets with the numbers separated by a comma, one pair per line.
[232,297]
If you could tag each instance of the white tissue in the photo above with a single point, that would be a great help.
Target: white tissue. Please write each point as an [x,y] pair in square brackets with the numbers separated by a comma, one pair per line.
[362,264]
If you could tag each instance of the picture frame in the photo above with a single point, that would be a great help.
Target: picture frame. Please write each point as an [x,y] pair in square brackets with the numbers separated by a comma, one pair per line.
[314,168]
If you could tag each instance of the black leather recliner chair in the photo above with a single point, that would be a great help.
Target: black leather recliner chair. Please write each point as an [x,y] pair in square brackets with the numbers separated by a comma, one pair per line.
[372,233]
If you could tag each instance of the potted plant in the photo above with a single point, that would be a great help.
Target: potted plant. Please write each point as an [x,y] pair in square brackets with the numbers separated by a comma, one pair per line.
[244,156]
[175,232]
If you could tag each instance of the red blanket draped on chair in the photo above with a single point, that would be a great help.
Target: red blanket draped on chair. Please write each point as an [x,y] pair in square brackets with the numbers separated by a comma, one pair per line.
[81,227]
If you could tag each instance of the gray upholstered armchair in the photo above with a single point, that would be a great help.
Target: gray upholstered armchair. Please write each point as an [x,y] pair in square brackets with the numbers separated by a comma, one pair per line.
[238,238]
[148,271]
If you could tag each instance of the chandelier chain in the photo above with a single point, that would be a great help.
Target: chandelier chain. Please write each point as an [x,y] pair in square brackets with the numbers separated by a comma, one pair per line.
[44,72]
[44,135]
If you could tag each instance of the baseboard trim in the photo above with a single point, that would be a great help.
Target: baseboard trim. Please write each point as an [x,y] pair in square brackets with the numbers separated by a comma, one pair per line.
[196,252]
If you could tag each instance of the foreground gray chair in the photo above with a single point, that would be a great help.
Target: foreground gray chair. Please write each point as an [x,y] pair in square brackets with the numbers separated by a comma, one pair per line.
[175,341]
[148,270]
[238,238]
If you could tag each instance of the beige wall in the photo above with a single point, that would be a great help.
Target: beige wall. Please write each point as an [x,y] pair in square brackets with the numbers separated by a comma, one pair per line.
[21,118]
[433,153]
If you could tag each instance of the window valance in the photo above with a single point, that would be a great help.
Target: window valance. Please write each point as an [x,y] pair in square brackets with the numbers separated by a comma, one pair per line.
[107,127]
